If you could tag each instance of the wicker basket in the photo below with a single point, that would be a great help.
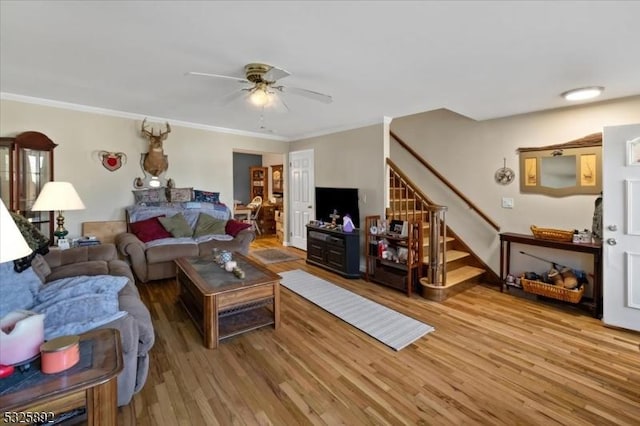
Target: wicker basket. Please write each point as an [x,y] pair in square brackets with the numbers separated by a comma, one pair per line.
[552,291]
[551,234]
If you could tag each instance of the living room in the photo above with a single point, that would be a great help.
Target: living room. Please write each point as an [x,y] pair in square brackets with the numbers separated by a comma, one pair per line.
[545,363]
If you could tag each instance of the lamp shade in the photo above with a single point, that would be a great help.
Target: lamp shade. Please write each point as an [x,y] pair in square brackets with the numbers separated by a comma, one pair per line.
[58,196]
[12,243]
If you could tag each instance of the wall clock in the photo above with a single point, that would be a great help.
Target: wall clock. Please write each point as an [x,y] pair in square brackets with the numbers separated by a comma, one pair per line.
[504,175]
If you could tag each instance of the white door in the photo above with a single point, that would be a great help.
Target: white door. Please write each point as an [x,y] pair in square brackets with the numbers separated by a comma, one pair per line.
[301,196]
[621,226]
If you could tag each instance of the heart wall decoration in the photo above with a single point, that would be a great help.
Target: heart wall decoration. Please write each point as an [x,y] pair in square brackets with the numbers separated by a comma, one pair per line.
[112,161]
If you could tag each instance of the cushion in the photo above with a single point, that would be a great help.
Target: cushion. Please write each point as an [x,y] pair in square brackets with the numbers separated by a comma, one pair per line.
[40,267]
[207,225]
[206,196]
[88,267]
[151,195]
[149,229]
[177,225]
[180,195]
[34,238]
[233,227]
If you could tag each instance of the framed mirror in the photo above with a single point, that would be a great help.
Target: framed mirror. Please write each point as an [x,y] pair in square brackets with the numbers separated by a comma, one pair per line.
[560,170]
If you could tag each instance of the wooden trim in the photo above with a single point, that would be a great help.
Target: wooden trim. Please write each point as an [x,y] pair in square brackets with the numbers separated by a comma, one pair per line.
[594,139]
[455,190]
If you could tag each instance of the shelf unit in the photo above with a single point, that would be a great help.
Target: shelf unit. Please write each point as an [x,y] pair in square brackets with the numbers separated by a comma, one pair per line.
[259,182]
[403,273]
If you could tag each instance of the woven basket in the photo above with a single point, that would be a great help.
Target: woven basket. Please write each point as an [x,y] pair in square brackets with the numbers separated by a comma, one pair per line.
[552,291]
[551,234]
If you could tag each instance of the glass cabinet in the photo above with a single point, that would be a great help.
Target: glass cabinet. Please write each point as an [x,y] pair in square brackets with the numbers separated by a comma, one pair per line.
[26,164]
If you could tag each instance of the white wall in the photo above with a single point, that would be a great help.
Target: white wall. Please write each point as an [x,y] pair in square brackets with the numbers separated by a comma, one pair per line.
[468,152]
[197,158]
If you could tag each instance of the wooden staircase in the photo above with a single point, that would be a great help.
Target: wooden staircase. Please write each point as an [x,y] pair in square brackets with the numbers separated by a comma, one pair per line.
[457,268]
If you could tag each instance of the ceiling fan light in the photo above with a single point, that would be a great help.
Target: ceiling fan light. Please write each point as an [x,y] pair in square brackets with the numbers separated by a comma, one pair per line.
[583,93]
[259,97]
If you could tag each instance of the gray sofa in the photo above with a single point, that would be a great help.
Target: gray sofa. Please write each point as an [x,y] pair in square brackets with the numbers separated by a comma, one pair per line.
[136,329]
[155,260]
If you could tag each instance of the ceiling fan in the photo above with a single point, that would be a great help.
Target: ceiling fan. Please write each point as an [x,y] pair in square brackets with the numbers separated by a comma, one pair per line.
[264,89]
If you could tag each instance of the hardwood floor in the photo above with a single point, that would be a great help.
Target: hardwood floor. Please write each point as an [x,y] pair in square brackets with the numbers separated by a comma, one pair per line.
[493,359]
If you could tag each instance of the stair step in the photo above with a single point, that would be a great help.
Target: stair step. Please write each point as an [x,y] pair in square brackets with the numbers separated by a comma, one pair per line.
[425,242]
[462,274]
[452,256]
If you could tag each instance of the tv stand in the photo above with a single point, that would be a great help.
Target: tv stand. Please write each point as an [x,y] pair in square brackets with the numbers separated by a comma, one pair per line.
[334,250]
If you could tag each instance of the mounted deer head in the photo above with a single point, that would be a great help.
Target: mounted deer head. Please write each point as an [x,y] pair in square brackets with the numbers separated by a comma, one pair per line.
[155,162]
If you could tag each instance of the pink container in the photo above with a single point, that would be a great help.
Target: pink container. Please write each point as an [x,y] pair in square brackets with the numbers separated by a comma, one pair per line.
[60,354]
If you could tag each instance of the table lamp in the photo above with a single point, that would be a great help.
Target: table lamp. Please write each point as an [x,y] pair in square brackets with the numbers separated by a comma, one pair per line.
[58,196]
[12,243]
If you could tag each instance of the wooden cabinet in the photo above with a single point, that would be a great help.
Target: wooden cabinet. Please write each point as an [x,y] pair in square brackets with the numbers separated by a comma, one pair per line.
[277,180]
[258,182]
[26,164]
[267,219]
[334,250]
[394,260]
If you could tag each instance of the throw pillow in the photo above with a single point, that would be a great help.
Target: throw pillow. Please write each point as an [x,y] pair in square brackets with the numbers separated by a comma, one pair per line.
[206,196]
[177,225]
[180,195]
[208,225]
[153,195]
[149,229]
[32,235]
[233,227]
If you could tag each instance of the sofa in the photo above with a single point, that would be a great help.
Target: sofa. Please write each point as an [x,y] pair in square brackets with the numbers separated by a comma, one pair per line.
[87,267]
[151,248]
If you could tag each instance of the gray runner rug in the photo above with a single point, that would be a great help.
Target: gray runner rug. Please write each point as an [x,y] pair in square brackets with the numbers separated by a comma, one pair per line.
[388,326]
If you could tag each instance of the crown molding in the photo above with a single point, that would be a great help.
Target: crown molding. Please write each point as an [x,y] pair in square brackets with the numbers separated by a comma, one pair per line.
[133,116]
[338,129]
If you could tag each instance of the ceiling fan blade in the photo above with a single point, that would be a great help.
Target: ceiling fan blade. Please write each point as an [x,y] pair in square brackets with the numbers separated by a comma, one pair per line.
[275,74]
[307,93]
[228,77]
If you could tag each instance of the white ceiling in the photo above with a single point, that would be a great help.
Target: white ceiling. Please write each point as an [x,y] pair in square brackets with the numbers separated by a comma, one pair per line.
[481,59]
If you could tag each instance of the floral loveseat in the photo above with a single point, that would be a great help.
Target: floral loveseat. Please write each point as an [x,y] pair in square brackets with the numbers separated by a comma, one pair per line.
[162,232]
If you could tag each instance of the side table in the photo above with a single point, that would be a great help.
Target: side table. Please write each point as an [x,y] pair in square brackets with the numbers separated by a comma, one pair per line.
[91,383]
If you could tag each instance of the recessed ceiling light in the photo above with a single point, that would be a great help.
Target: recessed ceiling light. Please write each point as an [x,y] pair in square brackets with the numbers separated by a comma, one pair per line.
[583,93]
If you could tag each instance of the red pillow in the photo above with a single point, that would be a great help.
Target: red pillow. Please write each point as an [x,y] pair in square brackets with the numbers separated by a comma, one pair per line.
[234,226]
[149,229]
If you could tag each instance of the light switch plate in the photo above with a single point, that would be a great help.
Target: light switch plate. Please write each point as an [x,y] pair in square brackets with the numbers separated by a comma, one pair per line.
[507,203]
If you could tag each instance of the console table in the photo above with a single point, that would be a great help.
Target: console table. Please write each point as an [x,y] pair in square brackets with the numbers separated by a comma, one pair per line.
[595,305]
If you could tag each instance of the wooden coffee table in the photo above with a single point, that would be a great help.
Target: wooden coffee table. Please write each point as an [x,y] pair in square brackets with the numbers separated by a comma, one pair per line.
[37,397]
[222,305]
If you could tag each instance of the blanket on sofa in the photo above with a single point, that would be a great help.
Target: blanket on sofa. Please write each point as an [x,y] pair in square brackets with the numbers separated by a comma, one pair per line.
[71,305]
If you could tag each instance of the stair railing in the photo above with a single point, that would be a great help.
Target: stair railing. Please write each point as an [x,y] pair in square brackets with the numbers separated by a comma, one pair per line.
[406,202]
[455,190]
[437,274]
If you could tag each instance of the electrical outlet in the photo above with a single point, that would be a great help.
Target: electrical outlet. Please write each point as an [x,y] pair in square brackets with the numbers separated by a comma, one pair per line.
[507,203]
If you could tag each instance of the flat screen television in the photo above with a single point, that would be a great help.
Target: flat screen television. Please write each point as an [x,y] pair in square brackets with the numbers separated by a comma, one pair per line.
[343,200]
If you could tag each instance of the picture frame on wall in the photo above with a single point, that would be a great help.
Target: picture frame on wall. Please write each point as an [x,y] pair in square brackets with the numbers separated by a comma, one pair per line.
[633,152]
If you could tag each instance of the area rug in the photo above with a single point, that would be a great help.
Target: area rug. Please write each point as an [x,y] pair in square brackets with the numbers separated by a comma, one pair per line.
[392,328]
[271,255]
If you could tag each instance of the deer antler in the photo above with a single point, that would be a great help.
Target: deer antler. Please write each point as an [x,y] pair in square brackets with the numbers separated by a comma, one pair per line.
[164,134]
[144,130]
